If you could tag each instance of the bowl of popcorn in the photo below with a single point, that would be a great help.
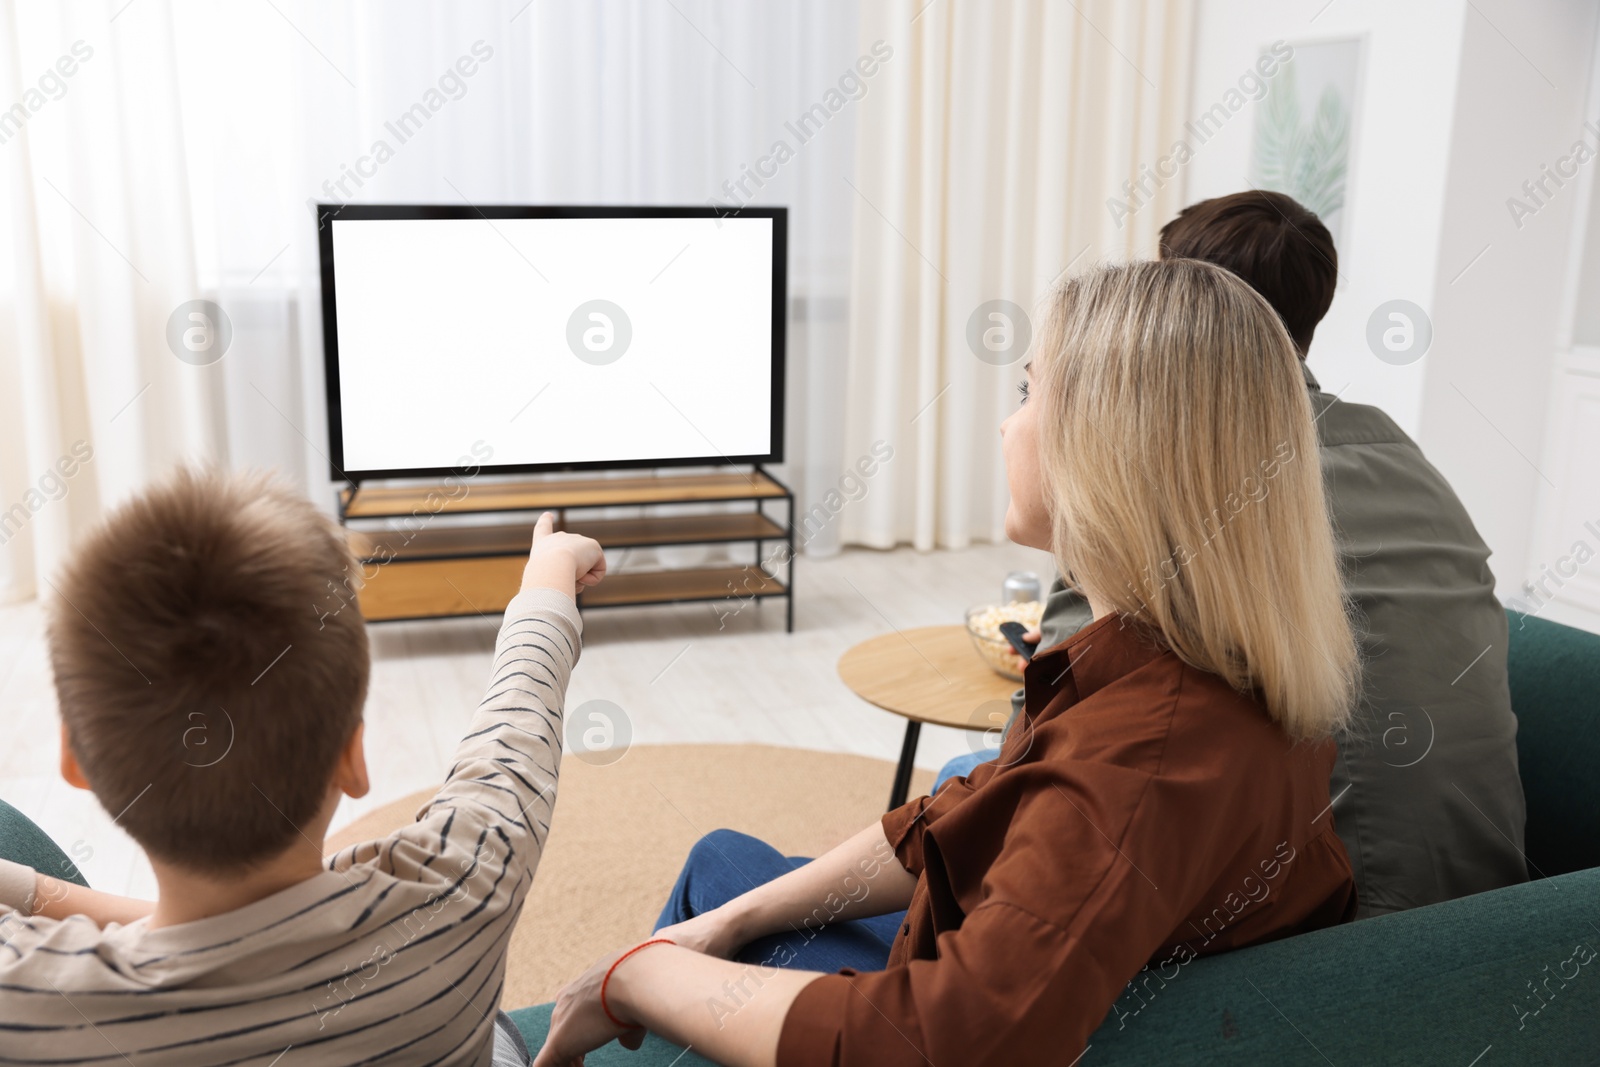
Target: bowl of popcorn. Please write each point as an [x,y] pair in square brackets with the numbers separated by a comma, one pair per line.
[983,626]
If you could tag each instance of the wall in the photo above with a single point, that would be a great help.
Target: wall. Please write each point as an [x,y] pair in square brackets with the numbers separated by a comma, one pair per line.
[1460,103]
[1586,320]
[1486,400]
[1564,570]
[1398,153]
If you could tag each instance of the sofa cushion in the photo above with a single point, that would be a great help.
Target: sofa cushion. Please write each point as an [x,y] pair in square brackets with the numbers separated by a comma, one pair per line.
[1555,692]
[1515,968]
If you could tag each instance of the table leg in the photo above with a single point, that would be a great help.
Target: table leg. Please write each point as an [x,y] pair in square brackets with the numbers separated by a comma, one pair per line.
[902,773]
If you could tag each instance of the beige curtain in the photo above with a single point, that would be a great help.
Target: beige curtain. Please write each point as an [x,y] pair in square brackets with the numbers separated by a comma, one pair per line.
[91,395]
[992,152]
[165,153]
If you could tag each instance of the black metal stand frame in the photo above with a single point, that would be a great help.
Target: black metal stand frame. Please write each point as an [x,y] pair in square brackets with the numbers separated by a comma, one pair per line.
[902,772]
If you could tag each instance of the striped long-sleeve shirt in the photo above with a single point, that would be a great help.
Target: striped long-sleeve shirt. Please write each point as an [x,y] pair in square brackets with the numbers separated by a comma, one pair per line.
[394,954]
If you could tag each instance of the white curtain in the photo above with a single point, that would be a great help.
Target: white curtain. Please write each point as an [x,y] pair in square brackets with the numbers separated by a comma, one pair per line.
[991,158]
[175,161]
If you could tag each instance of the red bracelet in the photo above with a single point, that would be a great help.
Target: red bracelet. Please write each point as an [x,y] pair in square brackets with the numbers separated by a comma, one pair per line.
[607,979]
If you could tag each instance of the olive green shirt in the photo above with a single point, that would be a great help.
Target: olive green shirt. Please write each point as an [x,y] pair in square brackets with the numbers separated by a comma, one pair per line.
[1426,795]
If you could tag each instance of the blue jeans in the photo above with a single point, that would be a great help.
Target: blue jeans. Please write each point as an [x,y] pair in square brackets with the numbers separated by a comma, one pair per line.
[725,864]
[962,766]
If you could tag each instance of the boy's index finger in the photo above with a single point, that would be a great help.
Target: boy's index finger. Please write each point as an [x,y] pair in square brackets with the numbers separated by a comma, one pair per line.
[545,525]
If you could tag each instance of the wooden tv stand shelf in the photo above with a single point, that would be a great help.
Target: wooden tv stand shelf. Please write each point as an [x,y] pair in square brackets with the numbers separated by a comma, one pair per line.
[420,560]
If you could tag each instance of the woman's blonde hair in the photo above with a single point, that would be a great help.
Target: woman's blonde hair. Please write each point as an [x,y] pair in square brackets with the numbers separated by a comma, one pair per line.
[1182,478]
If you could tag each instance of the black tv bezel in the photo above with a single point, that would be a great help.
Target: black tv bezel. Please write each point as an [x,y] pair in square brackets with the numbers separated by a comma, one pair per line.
[328,213]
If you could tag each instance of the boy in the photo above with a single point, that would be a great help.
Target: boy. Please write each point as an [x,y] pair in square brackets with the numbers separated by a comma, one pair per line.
[215,708]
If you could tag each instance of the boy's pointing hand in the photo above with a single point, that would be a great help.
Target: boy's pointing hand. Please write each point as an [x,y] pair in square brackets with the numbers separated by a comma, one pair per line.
[562,561]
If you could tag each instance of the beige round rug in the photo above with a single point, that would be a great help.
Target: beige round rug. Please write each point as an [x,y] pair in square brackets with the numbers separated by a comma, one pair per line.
[621,831]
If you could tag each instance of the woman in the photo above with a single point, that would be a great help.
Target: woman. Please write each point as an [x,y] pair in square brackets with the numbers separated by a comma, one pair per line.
[1163,796]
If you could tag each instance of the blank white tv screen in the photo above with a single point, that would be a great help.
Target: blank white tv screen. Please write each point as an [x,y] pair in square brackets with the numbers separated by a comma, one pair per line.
[553,342]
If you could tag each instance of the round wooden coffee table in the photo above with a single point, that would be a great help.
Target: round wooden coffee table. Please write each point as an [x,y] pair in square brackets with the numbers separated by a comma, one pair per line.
[930,674]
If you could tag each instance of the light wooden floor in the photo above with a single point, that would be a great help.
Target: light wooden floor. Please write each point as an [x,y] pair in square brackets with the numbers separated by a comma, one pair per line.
[679,674]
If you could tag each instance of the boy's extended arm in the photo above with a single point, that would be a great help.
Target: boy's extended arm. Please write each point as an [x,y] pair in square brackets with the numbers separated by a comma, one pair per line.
[492,814]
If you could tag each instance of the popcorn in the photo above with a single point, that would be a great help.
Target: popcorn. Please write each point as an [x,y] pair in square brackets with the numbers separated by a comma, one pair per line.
[984,626]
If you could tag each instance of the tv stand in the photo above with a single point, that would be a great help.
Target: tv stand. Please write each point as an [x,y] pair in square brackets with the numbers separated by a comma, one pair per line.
[422,557]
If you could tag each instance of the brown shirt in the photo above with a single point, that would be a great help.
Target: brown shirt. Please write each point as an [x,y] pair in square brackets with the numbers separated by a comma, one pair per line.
[1142,812]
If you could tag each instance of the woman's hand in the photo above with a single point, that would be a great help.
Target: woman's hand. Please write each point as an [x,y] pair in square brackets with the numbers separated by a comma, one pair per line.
[668,989]
[579,1025]
[713,933]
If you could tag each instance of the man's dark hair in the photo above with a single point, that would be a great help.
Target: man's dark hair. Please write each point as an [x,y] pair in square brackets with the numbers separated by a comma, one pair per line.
[1281,249]
[206,688]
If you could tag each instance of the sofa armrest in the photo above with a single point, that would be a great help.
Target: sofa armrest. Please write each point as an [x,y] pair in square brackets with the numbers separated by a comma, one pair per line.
[1438,984]
[21,841]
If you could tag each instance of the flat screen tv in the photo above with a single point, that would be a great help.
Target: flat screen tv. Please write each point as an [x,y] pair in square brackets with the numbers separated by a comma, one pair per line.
[526,339]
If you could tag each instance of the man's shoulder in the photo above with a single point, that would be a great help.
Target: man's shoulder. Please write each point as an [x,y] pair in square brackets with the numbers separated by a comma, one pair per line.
[1341,423]
[1379,481]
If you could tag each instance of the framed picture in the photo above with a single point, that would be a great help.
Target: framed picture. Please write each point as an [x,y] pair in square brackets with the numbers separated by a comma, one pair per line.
[1304,128]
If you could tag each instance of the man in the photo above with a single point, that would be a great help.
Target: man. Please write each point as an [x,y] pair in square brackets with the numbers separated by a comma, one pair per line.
[1426,795]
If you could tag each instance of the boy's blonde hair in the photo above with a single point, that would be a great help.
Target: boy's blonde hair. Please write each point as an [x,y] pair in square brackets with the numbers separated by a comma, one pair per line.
[210,666]
[1181,469]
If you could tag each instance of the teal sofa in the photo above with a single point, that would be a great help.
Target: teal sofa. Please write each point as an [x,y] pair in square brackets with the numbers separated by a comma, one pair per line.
[1509,977]
[1483,981]
[21,841]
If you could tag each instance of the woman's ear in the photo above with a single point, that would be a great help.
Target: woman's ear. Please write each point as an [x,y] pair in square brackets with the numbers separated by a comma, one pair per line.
[350,773]
[69,763]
